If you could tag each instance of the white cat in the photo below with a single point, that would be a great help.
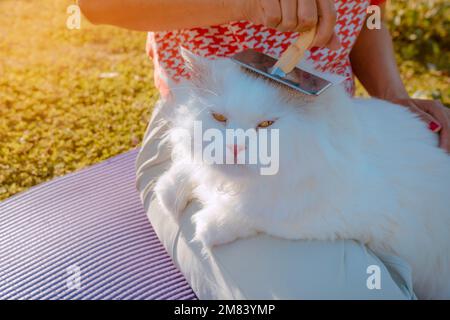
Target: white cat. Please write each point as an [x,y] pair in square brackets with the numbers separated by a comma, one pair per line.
[361,169]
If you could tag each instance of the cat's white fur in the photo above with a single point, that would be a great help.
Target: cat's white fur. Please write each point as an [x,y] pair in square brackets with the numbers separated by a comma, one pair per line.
[361,169]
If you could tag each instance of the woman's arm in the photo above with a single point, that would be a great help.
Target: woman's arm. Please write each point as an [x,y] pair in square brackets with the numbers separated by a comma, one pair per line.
[373,62]
[164,15]
[159,15]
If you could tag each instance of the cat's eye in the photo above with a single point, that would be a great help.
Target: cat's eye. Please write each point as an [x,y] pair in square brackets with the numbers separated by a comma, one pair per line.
[265,124]
[219,117]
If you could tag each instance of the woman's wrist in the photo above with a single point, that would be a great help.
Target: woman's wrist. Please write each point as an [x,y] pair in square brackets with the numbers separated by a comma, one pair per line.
[391,92]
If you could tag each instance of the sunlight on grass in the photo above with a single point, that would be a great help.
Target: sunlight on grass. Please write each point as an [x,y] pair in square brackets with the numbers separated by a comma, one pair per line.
[69,99]
[57,113]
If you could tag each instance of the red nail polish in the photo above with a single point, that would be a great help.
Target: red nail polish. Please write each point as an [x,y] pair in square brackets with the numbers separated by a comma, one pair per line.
[434,126]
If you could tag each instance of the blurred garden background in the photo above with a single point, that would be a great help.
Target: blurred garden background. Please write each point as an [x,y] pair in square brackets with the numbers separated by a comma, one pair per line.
[72,98]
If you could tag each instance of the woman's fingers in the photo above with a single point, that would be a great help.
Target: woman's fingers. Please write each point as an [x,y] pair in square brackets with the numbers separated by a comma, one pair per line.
[444,142]
[307,15]
[442,115]
[289,21]
[434,114]
[272,13]
[445,137]
[296,15]
[433,123]
[325,36]
[334,43]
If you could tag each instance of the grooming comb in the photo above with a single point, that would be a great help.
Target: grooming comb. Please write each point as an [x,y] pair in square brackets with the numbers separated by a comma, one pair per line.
[284,70]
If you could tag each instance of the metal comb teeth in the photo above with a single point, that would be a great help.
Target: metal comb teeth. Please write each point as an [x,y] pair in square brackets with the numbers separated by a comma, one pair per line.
[299,80]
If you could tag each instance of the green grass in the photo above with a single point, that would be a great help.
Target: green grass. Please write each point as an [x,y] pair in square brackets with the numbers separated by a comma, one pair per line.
[420,30]
[58,113]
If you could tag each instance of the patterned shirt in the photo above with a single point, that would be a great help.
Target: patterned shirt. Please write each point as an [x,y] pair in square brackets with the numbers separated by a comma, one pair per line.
[227,39]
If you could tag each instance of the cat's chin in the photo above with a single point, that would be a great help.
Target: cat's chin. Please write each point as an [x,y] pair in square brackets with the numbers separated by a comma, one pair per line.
[235,171]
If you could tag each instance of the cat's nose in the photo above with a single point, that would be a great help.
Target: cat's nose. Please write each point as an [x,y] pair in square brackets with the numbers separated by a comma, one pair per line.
[235,148]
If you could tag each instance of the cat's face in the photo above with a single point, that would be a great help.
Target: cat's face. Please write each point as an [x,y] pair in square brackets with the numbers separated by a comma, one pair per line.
[228,103]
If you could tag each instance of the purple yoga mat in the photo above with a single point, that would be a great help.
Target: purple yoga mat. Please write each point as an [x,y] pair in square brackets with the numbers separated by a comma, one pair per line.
[85,236]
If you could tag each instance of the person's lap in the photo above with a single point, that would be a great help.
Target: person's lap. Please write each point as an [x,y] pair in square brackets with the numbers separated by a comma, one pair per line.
[263,267]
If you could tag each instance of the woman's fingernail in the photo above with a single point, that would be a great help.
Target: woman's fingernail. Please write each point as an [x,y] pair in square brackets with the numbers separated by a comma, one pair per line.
[435,127]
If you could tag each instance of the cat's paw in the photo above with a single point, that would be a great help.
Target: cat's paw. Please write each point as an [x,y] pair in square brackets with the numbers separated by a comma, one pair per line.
[211,230]
[172,201]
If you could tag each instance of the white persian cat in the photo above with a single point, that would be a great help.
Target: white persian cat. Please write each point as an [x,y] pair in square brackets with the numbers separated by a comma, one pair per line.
[361,169]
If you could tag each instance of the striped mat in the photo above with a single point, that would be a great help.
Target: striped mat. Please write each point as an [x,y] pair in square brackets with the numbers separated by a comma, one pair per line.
[85,236]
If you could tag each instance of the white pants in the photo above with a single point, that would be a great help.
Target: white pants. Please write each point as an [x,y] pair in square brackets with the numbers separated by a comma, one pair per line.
[264,267]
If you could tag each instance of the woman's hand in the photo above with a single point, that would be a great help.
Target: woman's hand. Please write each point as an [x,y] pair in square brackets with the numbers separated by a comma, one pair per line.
[436,115]
[295,15]
[373,62]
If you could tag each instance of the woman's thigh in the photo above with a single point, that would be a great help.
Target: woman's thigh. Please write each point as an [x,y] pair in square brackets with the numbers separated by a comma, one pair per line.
[264,267]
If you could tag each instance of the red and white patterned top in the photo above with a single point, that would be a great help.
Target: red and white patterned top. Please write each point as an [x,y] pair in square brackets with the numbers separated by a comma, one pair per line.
[227,39]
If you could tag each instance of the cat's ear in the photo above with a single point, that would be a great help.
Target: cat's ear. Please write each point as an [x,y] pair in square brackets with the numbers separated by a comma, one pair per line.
[198,67]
